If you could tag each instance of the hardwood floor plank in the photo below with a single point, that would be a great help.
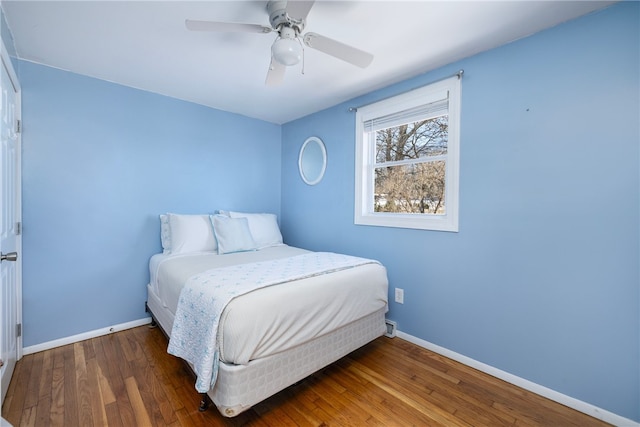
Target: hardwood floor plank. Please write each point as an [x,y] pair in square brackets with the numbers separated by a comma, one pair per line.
[113,415]
[56,412]
[116,352]
[303,406]
[349,414]
[46,377]
[159,369]
[139,411]
[271,413]
[28,417]
[444,390]
[126,346]
[71,412]
[106,393]
[378,407]
[33,386]
[89,351]
[402,372]
[409,364]
[184,417]
[411,398]
[85,415]
[43,411]
[470,411]
[128,379]
[97,402]
[18,390]
[108,362]
[363,396]
[409,417]
[153,395]
[335,410]
[300,416]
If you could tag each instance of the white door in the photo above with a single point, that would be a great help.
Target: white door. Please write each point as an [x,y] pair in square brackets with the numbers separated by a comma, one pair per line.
[10,219]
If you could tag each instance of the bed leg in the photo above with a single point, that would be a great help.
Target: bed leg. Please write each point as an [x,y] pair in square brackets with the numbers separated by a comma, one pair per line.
[204,402]
[153,323]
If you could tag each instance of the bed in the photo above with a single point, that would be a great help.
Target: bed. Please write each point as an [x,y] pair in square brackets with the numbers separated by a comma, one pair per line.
[274,334]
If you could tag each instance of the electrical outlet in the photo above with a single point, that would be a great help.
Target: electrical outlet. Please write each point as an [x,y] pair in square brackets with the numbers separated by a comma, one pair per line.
[400,296]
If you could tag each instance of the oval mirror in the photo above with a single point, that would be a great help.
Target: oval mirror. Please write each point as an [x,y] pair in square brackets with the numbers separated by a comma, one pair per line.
[312,161]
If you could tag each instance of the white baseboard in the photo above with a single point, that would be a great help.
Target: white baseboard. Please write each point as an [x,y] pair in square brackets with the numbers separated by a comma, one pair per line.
[569,401]
[85,336]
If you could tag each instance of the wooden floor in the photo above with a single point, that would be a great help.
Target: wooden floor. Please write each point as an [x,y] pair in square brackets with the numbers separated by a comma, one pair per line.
[128,379]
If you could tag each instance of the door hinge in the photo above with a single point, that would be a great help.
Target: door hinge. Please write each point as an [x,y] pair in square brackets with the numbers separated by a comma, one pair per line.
[18,126]
[18,228]
[18,330]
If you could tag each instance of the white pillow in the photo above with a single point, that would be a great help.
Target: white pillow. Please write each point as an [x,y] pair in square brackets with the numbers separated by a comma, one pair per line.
[264,228]
[232,234]
[191,233]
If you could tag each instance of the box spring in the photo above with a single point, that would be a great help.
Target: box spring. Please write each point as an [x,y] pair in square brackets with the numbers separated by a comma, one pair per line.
[239,387]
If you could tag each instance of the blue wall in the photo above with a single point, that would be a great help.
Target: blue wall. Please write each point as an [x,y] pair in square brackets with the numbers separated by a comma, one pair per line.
[542,280]
[100,162]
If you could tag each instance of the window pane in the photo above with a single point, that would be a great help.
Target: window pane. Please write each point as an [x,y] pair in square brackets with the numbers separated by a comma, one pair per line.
[406,147]
[416,188]
[413,141]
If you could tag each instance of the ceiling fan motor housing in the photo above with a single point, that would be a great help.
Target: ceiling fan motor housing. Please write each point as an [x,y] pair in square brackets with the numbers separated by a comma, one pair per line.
[279,18]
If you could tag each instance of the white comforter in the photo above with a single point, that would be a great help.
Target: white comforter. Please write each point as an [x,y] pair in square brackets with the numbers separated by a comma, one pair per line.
[205,295]
[290,314]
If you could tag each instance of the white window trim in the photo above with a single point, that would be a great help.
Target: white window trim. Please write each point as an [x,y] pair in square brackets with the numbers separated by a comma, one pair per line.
[364,179]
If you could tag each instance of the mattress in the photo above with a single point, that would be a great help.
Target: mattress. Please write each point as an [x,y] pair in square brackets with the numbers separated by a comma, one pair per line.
[277,318]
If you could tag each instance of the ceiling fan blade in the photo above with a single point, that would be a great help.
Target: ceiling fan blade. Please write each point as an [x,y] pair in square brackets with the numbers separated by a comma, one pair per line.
[340,50]
[275,75]
[228,27]
[299,9]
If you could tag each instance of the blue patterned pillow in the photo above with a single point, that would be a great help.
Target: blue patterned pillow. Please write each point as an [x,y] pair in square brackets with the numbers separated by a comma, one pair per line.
[165,233]
[232,234]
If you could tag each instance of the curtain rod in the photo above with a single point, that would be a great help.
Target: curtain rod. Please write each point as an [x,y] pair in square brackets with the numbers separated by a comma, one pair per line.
[458,74]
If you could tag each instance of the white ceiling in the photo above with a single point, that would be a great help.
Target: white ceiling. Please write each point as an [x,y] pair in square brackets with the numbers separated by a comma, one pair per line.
[144,44]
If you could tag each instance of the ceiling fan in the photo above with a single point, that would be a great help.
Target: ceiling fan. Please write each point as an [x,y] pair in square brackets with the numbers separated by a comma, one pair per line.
[288,19]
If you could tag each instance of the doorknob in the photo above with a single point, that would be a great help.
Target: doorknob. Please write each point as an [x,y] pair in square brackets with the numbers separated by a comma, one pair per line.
[11,256]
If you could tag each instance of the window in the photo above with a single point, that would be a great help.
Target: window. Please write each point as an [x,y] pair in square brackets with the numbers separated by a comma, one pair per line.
[407,159]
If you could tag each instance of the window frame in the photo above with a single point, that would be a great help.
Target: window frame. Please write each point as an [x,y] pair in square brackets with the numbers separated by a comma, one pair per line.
[364,213]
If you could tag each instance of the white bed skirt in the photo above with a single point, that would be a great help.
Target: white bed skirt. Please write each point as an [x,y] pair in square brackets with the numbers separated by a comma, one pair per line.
[239,387]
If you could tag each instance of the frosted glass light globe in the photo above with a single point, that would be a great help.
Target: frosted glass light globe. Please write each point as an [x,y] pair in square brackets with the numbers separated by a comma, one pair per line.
[287,51]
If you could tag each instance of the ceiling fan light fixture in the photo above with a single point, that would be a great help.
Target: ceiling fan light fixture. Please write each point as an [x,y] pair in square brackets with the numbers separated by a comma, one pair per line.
[286,51]
[288,19]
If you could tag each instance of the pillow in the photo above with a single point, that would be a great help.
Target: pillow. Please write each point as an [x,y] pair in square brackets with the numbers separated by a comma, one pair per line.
[263,226]
[232,234]
[191,233]
[165,234]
